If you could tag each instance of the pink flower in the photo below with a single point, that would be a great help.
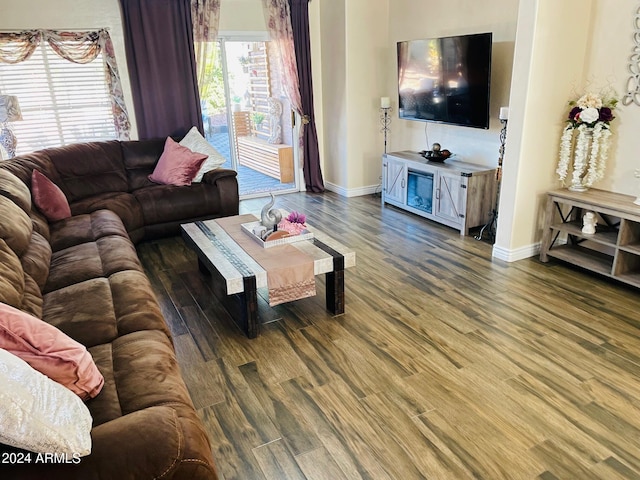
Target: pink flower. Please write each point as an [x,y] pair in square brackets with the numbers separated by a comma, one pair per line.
[297,217]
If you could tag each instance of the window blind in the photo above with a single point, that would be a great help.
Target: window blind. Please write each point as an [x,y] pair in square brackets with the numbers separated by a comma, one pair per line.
[62,102]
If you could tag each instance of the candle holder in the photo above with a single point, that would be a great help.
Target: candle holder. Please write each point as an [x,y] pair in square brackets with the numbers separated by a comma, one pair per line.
[385,121]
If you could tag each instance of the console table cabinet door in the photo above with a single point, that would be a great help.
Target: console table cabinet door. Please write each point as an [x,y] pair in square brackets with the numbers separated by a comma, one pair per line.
[395,181]
[451,197]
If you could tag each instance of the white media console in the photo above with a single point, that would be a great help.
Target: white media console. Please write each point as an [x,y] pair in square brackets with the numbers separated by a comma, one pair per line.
[457,194]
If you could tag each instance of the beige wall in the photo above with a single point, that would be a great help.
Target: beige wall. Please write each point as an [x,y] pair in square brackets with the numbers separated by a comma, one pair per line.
[366,52]
[241,15]
[354,43]
[610,46]
[563,49]
[415,19]
[332,84]
[358,41]
[550,53]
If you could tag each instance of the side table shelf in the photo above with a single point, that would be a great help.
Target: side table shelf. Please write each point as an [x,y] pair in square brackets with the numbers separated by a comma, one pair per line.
[613,251]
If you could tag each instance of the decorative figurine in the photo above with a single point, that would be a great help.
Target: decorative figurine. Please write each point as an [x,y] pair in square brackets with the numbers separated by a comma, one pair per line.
[589,223]
[636,173]
[270,217]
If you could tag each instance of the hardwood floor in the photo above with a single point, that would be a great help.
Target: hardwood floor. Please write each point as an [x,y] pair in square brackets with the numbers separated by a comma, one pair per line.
[448,364]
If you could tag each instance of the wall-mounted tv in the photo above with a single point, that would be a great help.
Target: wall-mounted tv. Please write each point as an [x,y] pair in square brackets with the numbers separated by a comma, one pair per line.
[446,79]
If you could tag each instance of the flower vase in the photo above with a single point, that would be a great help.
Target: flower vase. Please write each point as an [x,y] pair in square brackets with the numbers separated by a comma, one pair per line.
[582,150]
[585,141]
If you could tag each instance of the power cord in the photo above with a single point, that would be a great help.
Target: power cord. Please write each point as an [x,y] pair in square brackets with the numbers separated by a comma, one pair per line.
[426,135]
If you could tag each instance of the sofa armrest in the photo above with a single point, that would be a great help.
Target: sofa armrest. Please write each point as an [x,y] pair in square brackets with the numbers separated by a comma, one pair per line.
[212,176]
[157,442]
[226,186]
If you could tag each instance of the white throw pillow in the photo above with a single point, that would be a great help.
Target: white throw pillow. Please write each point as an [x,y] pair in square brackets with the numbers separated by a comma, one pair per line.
[38,414]
[195,142]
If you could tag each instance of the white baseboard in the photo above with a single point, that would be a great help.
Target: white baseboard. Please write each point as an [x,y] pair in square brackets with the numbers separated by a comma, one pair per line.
[352,192]
[517,254]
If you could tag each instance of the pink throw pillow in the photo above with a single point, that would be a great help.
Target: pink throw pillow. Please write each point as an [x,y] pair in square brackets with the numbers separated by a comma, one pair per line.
[49,351]
[177,165]
[48,197]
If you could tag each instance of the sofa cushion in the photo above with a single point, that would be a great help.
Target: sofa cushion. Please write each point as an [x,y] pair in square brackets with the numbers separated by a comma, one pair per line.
[39,223]
[105,256]
[11,276]
[88,169]
[177,165]
[93,320]
[163,204]
[48,197]
[140,371]
[123,204]
[195,142]
[104,308]
[49,351]
[85,228]
[37,259]
[140,158]
[15,227]
[38,414]
[15,190]
[31,297]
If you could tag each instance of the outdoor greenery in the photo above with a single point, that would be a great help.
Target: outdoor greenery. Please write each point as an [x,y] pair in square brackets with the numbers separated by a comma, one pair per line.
[212,82]
[258,118]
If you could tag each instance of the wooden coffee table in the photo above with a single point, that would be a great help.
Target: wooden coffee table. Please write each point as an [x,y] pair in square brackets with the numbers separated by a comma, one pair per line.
[236,276]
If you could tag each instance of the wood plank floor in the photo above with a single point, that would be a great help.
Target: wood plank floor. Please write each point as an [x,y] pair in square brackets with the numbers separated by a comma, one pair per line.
[448,364]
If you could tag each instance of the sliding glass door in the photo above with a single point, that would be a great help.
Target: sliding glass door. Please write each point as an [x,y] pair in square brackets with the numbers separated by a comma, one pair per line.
[247,117]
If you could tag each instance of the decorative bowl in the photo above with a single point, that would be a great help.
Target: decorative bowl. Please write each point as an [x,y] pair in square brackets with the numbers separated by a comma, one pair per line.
[437,157]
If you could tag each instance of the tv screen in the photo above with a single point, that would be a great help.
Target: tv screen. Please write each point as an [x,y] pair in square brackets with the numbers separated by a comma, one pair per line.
[445,79]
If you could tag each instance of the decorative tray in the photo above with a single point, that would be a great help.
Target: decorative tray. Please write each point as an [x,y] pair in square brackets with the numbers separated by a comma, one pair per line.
[249,227]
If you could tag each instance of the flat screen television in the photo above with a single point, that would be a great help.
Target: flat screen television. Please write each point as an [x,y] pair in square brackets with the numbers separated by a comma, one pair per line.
[445,80]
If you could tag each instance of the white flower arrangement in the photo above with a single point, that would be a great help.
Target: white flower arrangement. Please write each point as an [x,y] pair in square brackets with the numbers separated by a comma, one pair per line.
[589,122]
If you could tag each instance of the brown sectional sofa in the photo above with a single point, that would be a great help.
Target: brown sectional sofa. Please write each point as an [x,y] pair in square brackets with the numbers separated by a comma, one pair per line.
[82,275]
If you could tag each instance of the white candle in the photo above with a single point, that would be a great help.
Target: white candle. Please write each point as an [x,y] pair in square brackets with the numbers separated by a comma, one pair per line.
[504,113]
[385,102]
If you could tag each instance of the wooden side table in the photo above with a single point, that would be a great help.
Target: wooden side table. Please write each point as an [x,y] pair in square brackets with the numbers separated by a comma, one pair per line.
[613,250]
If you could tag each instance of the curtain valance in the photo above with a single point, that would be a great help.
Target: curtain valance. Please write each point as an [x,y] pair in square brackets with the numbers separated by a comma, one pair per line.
[77,47]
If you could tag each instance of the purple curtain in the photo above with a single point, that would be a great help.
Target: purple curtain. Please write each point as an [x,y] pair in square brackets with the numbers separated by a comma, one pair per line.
[162,68]
[311,154]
